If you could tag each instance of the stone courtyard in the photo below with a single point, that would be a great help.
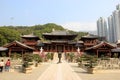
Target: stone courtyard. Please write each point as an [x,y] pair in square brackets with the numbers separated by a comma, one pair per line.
[53,70]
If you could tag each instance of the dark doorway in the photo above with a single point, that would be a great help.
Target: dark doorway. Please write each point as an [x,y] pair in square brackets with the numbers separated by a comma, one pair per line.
[60,48]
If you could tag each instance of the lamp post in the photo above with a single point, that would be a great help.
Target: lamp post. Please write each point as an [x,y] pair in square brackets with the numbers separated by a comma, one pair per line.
[78,45]
[78,50]
[41,49]
[59,56]
[40,46]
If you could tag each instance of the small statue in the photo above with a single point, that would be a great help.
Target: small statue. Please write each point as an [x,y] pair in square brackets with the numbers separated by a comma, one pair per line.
[59,56]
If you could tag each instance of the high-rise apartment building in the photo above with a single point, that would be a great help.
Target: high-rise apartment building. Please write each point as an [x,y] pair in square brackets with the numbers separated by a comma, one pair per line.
[114,25]
[111,30]
[102,28]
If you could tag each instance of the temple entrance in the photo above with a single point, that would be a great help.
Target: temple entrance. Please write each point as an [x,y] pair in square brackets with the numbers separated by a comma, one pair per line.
[104,53]
[60,48]
[101,54]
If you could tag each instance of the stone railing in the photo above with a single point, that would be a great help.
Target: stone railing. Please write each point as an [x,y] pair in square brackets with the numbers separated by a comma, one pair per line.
[112,63]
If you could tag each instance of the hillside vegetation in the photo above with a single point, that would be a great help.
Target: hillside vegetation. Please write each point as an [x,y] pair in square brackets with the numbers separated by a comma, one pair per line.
[11,33]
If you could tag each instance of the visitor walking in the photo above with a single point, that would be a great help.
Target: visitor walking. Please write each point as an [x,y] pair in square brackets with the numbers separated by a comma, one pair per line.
[7,65]
[1,65]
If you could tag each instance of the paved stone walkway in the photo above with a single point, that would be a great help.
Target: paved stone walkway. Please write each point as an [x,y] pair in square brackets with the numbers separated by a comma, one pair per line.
[61,71]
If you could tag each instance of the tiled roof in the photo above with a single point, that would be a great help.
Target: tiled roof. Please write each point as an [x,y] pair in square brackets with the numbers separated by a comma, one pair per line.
[90,36]
[19,43]
[115,50]
[29,36]
[3,49]
[100,44]
[58,33]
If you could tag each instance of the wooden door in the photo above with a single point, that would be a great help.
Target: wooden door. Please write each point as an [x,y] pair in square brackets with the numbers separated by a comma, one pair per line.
[60,48]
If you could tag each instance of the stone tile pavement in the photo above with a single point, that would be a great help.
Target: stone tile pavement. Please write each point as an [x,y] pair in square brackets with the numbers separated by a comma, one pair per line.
[107,75]
[22,76]
[55,71]
[61,71]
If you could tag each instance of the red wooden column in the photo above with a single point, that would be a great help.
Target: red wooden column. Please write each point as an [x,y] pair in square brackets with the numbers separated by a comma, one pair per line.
[71,48]
[97,53]
[22,53]
[55,48]
[9,53]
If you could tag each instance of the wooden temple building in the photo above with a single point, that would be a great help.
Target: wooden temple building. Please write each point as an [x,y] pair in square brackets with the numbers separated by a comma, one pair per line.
[99,48]
[59,41]
[30,40]
[62,41]
[116,50]
[18,47]
[28,44]
[89,40]
[56,41]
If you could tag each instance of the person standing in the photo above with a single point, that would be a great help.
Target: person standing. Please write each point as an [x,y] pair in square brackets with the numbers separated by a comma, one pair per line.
[7,65]
[1,65]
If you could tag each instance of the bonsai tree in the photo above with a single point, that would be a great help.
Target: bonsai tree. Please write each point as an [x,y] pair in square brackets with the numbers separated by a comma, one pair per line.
[48,56]
[79,60]
[71,56]
[52,56]
[27,58]
[115,55]
[37,58]
[92,61]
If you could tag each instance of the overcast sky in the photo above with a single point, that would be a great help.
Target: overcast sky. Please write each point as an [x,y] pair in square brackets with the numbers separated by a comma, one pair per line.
[77,15]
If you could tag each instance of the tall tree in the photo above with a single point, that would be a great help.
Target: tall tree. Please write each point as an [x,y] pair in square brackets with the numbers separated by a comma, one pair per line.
[9,35]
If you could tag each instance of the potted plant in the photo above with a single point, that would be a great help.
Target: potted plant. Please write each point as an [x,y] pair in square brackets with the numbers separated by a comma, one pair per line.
[71,57]
[27,61]
[52,55]
[91,63]
[79,61]
[37,58]
[48,56]
[90,68]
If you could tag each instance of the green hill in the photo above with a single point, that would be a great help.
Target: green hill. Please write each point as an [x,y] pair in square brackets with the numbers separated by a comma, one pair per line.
[11,33]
